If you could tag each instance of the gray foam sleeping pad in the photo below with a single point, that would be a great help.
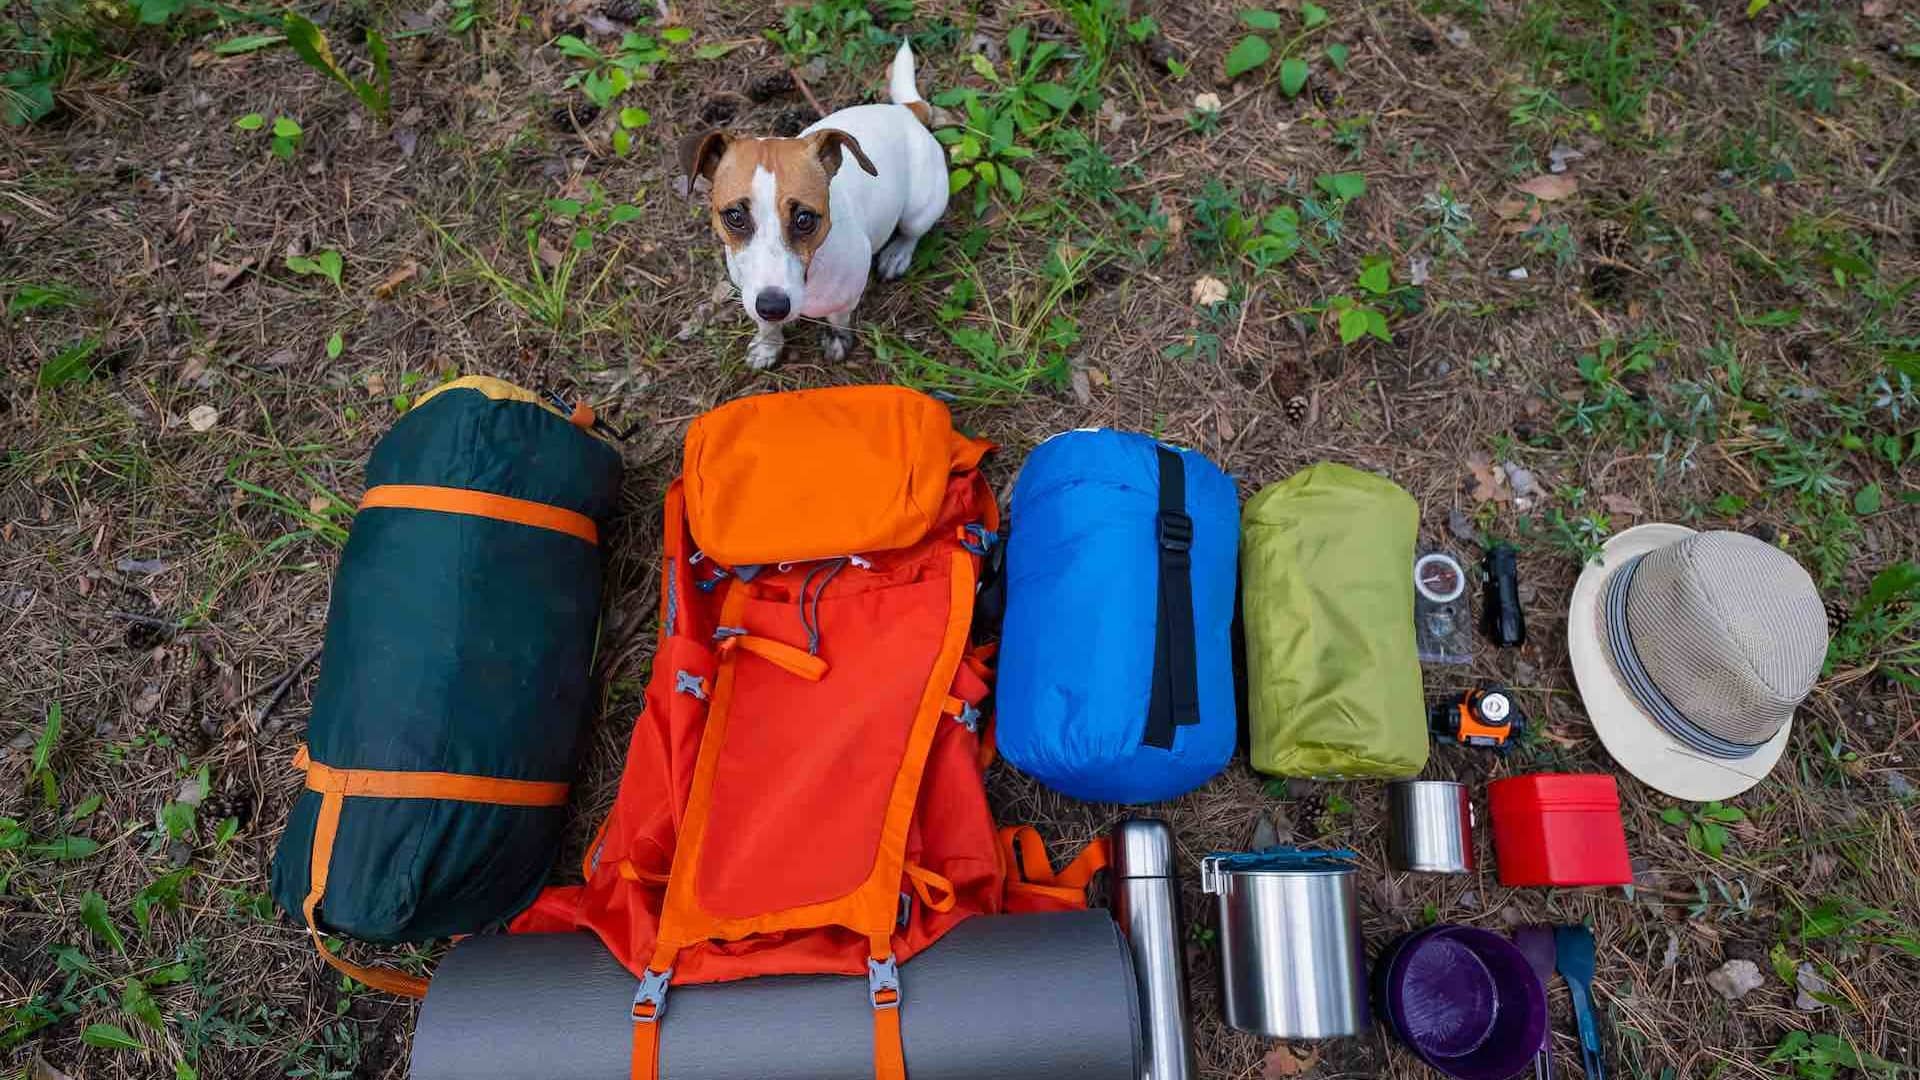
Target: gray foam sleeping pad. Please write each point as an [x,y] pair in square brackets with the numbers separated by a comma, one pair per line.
[1013,997]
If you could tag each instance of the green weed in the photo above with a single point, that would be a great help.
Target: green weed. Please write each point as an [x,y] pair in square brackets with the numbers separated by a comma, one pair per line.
[1449,222]
[1882,632]
[857,31]
[1821,1056]
[310,45]
[1706,827]
[602,77]
[1606,403]
[1574,528]
[1255,50]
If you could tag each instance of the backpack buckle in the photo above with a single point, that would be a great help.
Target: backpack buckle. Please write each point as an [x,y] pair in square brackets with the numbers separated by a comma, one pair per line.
[883,982]
[686,682]
[969,717]
[978,539]
[1176,531]
[650,997]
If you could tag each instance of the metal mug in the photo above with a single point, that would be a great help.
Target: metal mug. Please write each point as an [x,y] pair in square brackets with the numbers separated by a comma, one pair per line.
[1292,961]
[1432,827]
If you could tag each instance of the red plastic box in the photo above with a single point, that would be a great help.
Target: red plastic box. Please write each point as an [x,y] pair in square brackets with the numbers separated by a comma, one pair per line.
[1559,829]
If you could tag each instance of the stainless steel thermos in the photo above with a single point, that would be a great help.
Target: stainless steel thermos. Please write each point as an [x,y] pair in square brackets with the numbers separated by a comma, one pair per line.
[1146,904]
[1292,961]
[1431,827]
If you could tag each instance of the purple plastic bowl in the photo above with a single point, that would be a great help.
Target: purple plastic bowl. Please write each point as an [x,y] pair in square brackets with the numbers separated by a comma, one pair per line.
[1465,1000]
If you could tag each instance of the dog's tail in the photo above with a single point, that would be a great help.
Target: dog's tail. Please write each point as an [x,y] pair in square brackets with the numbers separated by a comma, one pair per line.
[900,85]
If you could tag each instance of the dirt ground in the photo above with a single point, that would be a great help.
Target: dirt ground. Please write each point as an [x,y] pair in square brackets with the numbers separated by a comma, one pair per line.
[1638,260]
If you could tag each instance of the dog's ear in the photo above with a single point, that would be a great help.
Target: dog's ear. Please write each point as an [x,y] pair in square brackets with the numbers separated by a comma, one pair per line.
[700,152]
[828,144]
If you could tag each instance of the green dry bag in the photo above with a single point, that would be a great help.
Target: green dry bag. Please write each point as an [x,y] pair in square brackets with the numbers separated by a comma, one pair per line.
[1333,678]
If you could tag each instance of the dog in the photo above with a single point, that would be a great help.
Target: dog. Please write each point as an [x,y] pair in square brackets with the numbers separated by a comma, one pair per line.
[803,226]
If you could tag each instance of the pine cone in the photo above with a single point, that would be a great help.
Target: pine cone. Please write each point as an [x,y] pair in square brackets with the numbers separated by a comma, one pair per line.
[566,114]
[719,110]
[1609,239]
[793,121]
[1838,612]
[774,84]
[625,11]
[1606,282]
[221,805]
[1297,408]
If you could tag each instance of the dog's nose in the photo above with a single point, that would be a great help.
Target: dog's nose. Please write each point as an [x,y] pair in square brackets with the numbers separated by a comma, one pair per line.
[772,304]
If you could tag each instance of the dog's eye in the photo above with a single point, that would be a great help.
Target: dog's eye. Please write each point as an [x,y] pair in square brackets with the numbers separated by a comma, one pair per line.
[804,220]
[735,218]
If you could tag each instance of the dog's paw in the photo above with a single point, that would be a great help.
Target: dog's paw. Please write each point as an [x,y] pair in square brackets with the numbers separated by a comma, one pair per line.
[763,354]
[894,259]
[837,344]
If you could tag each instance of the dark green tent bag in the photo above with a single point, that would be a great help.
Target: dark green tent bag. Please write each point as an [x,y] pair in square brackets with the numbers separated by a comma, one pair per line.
[456,674]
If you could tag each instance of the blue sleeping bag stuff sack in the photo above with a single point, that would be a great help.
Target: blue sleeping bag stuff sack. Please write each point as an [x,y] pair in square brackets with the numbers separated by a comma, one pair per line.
[1116,656]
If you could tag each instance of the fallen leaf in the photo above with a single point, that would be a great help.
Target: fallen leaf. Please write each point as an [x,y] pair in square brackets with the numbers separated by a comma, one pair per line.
[43,1071]
[1548,187]
[1514,208]
[376,385]
[549,254]
[1082,387]
[402,274]
[318,504]
[1208,291]
[1489,485]
[221,276]
[1098,378]
[1462,527]
[1671,958]
[1876,9]
[1287,1060]
[146,700]
[1624,505]
[1812,986]
[1522,481]
[1208,102]
[202,417]
[1559,156]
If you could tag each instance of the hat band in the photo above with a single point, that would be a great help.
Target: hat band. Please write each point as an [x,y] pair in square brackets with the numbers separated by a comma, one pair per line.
[1640,683]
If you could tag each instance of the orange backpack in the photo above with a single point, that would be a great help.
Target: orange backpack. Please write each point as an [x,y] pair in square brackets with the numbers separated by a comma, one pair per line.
[803,791]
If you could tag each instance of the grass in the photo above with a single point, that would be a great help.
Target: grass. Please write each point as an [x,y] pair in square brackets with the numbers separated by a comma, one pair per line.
[1740,354]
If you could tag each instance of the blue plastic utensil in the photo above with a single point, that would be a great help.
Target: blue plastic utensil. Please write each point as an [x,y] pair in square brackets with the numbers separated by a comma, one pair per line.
[1573,955]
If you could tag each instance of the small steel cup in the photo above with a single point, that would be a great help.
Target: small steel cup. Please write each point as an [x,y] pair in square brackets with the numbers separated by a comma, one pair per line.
[1432,827]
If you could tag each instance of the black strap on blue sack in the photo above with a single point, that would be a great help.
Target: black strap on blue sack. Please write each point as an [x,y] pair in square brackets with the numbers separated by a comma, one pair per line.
[1175,701]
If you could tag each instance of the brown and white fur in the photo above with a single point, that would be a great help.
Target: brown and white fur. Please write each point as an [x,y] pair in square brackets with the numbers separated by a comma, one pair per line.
[802,232]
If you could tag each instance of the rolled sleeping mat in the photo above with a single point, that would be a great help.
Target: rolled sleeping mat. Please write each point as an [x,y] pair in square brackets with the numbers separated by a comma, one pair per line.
[1014,997]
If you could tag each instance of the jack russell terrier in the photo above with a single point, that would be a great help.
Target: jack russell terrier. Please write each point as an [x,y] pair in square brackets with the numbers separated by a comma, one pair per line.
[801,232]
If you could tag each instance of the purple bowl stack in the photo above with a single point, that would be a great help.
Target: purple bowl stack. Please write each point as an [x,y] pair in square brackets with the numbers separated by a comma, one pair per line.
[1465,1000]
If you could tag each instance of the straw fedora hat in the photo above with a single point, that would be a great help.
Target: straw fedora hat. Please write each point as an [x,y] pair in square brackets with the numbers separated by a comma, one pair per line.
[1692,650]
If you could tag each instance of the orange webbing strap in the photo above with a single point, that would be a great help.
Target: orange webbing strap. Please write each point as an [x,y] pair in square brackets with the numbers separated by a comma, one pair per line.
[780,654]
[450,500]
[335,785]
[883,986]
[935,890]
[1023,855]
[649,1009]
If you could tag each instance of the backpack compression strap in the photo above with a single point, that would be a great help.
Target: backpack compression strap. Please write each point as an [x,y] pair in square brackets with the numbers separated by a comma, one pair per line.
[1175,699]
[335,785]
